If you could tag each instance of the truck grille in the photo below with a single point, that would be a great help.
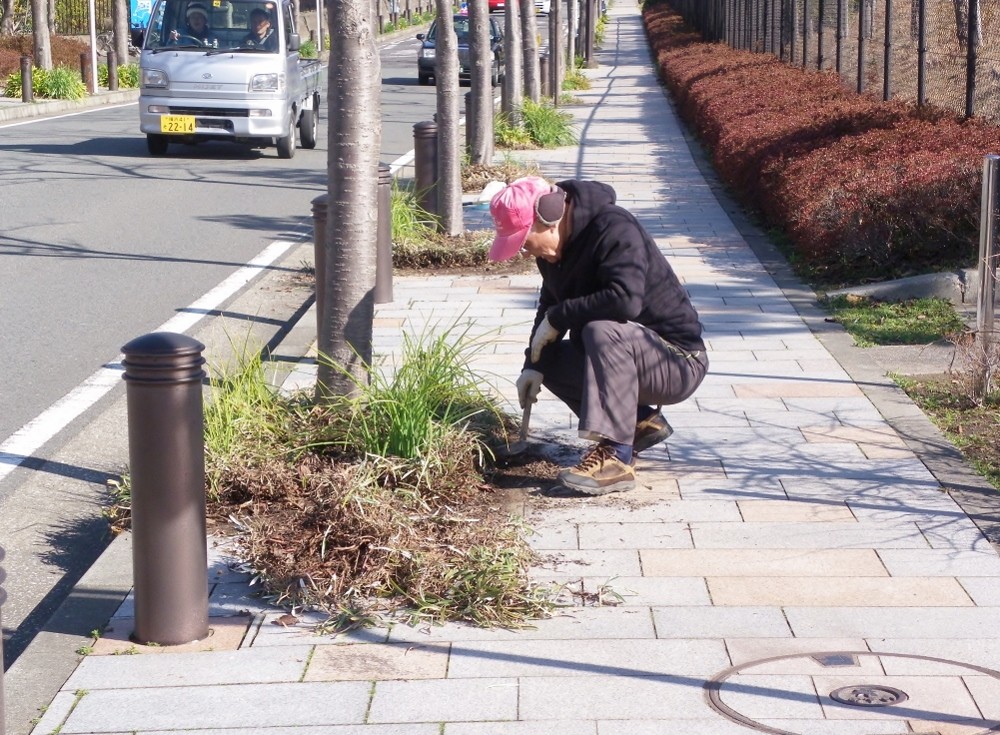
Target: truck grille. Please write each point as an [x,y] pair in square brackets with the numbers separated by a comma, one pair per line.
[208,112]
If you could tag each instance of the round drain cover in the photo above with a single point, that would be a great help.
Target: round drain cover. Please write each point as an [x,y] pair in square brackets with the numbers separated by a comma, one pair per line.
[868,696]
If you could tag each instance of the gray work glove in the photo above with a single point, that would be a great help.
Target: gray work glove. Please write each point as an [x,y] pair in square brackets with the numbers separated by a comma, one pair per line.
[529,383]
[544,334]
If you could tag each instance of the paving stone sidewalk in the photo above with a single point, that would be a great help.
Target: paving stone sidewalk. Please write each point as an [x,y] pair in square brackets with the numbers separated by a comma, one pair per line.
[787,561]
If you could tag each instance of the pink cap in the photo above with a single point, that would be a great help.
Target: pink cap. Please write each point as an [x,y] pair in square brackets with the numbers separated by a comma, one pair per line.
[513,211]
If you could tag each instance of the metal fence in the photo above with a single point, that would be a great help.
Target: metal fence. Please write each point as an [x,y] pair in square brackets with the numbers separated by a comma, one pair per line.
[72,17]
[941,52]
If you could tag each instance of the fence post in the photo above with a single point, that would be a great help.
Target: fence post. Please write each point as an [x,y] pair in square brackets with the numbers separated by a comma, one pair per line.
[805,32]
[862,44]
[383,238]
[164,375]
[971,59]
[921,52]
[425,174]
[887,59]
[988,251]
[27,92]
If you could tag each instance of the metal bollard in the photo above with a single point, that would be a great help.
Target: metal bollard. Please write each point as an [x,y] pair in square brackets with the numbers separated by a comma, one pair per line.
[470,122]
[112,71]
[425,165]
[319,255]
[3,599]
[27,93]
[383,251]
[85,69]
[543,72]
[164,375]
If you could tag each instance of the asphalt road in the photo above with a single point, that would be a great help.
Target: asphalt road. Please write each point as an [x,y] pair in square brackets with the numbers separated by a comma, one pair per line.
[101,243]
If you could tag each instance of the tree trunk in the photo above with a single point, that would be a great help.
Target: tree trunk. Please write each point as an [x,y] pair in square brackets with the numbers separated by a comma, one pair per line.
[572,23]
[354,143]
[51,17]
[513,81]
[6,17]
[40,34]
[557,63]
[529,44]
[480,116]
[449,152]
[121,25]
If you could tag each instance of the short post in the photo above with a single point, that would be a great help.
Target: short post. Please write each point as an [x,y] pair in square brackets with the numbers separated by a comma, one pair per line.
[383,252]
[112,71]
[470,122]
[319,254]
[27,92]
[163,376]
[988,251]
[425,174]
[543,72]
[3,599]
[84,70]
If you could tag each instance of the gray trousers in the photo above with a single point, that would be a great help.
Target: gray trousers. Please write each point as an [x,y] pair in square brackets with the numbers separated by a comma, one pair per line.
[619,368]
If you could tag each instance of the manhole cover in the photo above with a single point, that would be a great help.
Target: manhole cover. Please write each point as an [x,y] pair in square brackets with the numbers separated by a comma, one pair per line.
[919,694]
[868,696]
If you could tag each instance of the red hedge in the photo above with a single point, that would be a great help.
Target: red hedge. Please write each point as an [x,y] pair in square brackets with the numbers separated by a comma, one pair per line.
[860,186]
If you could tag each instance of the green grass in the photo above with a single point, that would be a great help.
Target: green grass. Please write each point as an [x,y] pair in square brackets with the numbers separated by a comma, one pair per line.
[913,322]
[538,125]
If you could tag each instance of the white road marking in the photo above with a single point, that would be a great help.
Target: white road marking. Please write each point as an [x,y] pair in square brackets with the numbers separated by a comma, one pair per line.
[32,436]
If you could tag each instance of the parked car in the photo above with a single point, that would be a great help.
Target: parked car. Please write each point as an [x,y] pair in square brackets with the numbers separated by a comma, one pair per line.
[427,55]
[541,6]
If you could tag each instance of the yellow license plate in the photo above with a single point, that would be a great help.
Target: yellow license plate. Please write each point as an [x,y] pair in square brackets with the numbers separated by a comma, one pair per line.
[177,124]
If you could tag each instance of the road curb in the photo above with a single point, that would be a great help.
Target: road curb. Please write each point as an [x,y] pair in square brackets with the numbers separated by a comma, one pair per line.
[11,110]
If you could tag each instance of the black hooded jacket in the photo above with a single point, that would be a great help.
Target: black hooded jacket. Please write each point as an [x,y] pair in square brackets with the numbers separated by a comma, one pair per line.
[611,269]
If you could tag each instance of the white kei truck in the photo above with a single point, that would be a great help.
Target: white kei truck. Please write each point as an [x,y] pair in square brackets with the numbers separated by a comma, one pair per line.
[234,74]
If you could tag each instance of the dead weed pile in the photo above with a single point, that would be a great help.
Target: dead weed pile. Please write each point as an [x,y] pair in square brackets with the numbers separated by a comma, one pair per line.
[475,176]
[374,502]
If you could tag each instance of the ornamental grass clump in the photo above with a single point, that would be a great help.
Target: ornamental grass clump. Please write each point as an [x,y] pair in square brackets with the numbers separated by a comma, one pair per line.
[374,502]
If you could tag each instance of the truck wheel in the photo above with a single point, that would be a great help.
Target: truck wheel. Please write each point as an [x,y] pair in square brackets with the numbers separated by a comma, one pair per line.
[308,128]
[424,79]
[286,143]
[156,144]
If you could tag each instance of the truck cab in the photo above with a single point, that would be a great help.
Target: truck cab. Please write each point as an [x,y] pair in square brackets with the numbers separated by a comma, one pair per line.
[226,70]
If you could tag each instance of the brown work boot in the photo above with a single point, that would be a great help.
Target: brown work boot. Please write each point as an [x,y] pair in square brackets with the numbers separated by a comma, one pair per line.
[651,431]
[600,472]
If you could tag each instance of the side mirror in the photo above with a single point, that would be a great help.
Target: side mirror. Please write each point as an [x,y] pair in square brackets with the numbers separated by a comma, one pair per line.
[421,36]
[294,42]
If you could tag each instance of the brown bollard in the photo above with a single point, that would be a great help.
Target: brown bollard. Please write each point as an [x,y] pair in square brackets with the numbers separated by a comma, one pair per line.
[3,599]
[319,254]
[85,69]
[27,93]
[543,72]
[112,71]
[425,173]
[383,251]
[164,375]
[470,125]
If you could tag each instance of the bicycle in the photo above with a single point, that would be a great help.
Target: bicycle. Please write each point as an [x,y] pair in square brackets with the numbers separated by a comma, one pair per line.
[106,42]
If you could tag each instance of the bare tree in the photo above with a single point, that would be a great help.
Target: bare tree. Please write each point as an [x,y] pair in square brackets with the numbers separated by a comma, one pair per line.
[120,24]
[529,46]
[6,17]
[480,114]
[40,34]
[449,183]
[354,143]
[513,80]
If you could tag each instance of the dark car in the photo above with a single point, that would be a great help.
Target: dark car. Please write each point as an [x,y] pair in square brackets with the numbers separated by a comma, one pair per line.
[426,55]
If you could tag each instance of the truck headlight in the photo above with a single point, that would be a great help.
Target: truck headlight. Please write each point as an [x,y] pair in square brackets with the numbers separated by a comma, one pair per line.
[154,78]
[426,53]
[267,82]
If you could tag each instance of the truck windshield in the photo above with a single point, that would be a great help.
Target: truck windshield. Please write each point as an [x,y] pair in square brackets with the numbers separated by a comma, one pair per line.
[200,25]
